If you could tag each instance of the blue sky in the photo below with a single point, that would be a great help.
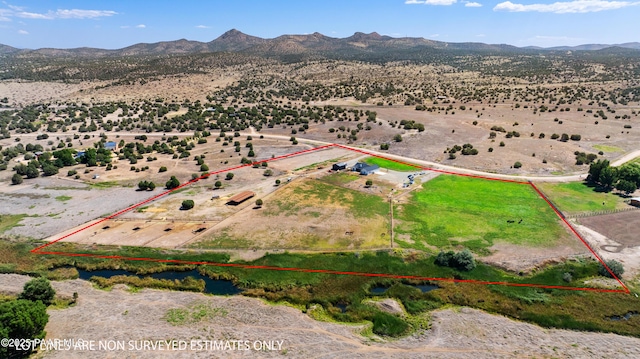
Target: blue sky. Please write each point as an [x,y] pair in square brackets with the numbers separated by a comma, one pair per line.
[119,23]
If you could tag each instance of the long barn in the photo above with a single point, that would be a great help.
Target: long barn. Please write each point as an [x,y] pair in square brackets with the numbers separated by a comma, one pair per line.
[240,197]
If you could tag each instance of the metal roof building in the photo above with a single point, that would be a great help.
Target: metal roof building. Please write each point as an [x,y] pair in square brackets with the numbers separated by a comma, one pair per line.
[240,197]
[365,169]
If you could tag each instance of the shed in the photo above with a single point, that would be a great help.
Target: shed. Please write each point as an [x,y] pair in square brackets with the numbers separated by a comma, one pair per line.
[635,201]
[240,197]
[339,166]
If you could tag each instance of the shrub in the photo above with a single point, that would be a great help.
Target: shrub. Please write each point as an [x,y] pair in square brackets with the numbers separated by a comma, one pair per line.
[576,137]
[567,277]
[517,165]
[397,138]
[204,168]
[462,260]
[172,183]
[162,169]
[259,202]
[16,179]
[187,204]
[229,176]
[388,325]
[38,289]
[384,146]
[218,184]
[615,266]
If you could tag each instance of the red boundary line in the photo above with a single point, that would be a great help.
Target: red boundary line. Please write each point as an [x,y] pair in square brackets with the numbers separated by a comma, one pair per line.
[39,250]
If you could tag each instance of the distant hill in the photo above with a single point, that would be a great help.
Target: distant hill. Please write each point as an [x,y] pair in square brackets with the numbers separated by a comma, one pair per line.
[358,44]
[5,49]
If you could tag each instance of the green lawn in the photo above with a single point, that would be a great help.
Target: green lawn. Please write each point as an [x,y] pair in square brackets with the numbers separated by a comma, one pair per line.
[575,197]
[607,148]
[394,166]
[451,211]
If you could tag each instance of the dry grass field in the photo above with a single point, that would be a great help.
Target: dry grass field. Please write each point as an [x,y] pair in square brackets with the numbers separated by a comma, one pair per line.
[307,214]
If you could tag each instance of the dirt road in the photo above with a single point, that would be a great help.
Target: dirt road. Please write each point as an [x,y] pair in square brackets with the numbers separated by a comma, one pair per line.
[570,178]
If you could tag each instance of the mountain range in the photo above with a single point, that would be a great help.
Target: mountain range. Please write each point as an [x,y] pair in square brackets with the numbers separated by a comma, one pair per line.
[285,45]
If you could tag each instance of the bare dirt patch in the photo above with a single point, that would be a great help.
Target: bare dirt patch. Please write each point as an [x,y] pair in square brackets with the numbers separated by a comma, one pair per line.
[517,258]
[620,227]
[613,236]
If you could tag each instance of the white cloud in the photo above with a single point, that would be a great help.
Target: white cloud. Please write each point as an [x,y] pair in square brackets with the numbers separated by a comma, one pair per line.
[203,27]
[33,15]
[141,26]
[23,32]
[18,11]
[440,2]
[83,14]
[413,2]
[4,15]
[576,6]
[472,4]
[125,26]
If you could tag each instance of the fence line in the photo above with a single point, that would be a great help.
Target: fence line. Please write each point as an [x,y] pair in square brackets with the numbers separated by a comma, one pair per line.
[546,197]
[600,213]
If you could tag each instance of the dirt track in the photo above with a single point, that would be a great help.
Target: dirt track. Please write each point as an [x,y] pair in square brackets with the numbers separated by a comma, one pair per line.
[455,333]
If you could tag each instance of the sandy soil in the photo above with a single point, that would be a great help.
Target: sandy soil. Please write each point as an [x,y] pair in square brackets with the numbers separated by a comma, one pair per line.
[519,258]
[20,92]
[53,205]
[455,333]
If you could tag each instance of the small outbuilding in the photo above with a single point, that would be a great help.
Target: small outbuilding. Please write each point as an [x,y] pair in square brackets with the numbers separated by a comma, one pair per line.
[240,197]
[635,201]
[339,166]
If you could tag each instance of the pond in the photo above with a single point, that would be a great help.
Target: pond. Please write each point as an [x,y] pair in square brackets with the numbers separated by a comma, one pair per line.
[626,316]
[212,286]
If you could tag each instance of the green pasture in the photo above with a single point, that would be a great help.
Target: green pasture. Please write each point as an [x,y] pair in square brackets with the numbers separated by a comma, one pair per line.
[453,211]
[575,197]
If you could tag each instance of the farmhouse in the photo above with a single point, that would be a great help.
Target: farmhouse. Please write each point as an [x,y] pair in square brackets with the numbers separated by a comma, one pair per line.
[240,197]
[339,166]
[635,201]
[364,169]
